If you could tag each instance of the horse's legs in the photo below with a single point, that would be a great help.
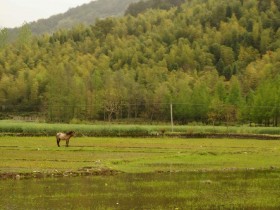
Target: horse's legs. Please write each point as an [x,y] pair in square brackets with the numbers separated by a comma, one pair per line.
[57,141]
[67,142]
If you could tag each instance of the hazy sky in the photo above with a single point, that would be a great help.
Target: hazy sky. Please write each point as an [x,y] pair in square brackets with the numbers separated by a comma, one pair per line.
[14,13]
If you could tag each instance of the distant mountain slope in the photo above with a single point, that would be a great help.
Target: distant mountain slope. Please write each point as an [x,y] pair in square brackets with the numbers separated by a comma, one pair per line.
[85,14]
[141,6]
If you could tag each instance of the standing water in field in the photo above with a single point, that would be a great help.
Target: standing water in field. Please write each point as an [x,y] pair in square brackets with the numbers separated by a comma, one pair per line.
[204,190]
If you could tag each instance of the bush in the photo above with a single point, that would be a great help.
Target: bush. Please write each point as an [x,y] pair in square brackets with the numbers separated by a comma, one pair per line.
[11,127]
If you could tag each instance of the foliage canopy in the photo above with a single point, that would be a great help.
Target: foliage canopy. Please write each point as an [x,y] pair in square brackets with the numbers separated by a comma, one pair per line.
[216,61]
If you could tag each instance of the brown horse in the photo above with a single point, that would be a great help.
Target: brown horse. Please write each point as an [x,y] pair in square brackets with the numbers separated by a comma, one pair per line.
[64,136]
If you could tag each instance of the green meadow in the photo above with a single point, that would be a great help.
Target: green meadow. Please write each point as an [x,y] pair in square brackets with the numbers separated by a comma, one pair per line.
[137,155]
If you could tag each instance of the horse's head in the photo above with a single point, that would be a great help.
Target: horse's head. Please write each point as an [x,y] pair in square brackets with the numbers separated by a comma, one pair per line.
[71,133]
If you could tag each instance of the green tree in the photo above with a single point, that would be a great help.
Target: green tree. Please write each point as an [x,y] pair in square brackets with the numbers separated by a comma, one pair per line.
[265,40]
[265,109]
[234,96]
[60,98]
[234,101]
[256,33]
[200,100]
[3,37]
[25,35]
[216,113]
[246,56]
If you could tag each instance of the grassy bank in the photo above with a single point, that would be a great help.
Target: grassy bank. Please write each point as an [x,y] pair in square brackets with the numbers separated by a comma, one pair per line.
[10,127]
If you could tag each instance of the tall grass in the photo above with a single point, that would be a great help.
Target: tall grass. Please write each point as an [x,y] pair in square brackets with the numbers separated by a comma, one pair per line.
[11,127]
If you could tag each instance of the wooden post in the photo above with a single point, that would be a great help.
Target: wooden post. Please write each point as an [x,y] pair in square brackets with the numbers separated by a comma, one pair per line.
[171,116]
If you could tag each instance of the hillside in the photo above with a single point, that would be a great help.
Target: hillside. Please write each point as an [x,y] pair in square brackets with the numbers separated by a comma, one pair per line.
[142,6]
[84,14]
[215,61]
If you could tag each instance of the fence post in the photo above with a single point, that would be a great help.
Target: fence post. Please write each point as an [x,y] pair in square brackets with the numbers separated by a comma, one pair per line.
[171,116]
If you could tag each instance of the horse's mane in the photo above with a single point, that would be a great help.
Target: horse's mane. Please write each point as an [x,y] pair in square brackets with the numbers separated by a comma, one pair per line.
[70,133]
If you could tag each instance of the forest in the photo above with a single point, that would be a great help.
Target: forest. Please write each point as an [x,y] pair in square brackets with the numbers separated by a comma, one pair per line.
[215,62]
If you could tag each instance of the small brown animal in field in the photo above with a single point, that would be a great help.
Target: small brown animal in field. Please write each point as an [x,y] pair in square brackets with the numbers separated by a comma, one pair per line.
[64,136]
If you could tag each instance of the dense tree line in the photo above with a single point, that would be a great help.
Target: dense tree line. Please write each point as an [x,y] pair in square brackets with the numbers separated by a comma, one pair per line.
[141,6]
[215,61]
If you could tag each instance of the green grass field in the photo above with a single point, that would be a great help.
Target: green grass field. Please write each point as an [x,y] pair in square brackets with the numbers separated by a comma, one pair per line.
[137,155]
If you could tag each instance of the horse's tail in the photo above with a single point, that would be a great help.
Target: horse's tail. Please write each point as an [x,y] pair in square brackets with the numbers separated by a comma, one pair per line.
[57,139]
